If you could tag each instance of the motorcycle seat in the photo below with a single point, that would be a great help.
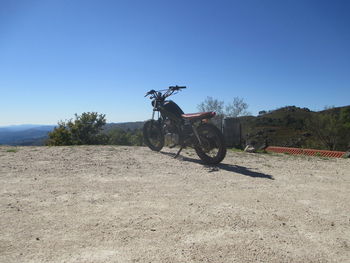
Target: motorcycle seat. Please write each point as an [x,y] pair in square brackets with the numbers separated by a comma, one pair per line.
[199,115]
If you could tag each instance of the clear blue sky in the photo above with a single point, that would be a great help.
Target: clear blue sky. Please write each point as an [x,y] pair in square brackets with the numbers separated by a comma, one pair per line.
[62,57]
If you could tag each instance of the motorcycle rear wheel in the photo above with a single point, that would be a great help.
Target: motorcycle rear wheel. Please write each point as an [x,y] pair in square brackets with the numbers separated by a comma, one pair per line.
[212,149]
[153,136]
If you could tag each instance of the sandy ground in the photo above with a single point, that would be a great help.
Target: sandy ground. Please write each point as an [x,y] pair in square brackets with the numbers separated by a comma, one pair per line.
[129,204]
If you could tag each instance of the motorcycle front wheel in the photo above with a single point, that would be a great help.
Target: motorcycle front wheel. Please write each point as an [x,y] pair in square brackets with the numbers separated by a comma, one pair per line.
[211,149]
[153,136]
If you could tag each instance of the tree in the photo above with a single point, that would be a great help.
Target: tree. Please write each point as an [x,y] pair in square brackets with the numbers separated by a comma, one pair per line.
[345,117]
[237,108]
[327,129]
[85,129]
[211,104]
[331,128]
[234,109]
[215,105]
[345,128]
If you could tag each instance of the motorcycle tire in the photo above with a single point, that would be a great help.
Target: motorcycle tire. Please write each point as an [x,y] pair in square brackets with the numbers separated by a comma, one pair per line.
[211,137]
[153,135]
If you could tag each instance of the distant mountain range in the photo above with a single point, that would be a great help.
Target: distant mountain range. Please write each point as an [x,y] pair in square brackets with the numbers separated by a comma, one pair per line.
[27,134]
[36,135]
[22,127]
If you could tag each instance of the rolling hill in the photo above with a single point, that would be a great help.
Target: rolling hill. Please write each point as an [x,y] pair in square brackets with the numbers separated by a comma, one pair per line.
[286,126]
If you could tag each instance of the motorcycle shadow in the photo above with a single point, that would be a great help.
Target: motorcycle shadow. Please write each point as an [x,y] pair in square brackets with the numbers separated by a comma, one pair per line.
[223,166]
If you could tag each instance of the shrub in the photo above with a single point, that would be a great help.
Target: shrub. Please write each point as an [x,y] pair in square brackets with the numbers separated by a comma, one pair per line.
[85,129]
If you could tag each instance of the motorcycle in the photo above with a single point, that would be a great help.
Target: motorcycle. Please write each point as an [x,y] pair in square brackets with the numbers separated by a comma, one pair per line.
[174,128]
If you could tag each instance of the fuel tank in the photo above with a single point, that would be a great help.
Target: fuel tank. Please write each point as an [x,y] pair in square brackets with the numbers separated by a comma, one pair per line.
[171,109]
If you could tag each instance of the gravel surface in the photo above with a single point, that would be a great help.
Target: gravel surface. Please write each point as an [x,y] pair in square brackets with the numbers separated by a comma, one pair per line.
[129,204]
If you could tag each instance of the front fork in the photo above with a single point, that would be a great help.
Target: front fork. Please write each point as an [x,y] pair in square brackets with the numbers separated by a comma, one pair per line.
[153,112]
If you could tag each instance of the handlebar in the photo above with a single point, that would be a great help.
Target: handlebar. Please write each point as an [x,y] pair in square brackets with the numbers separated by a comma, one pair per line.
[177,87]
[168,92]
[150,92]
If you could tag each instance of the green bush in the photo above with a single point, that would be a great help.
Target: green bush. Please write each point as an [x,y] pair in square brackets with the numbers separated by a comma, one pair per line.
[85,129]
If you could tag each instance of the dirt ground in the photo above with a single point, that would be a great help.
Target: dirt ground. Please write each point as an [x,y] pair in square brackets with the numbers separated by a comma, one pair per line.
[129,204]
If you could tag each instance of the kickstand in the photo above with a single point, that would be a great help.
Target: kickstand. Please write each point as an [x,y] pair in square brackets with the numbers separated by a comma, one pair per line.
[178,152]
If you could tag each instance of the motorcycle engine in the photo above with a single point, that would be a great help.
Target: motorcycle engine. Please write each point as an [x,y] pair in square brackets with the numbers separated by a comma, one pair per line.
[171,137]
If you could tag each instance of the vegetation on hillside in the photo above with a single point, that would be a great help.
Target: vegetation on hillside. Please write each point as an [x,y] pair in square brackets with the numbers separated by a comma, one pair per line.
[289,126]
[331,128]
[299,127]
[128,137]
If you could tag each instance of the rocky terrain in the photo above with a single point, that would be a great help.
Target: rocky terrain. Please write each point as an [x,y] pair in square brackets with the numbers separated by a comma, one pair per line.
[129,204]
